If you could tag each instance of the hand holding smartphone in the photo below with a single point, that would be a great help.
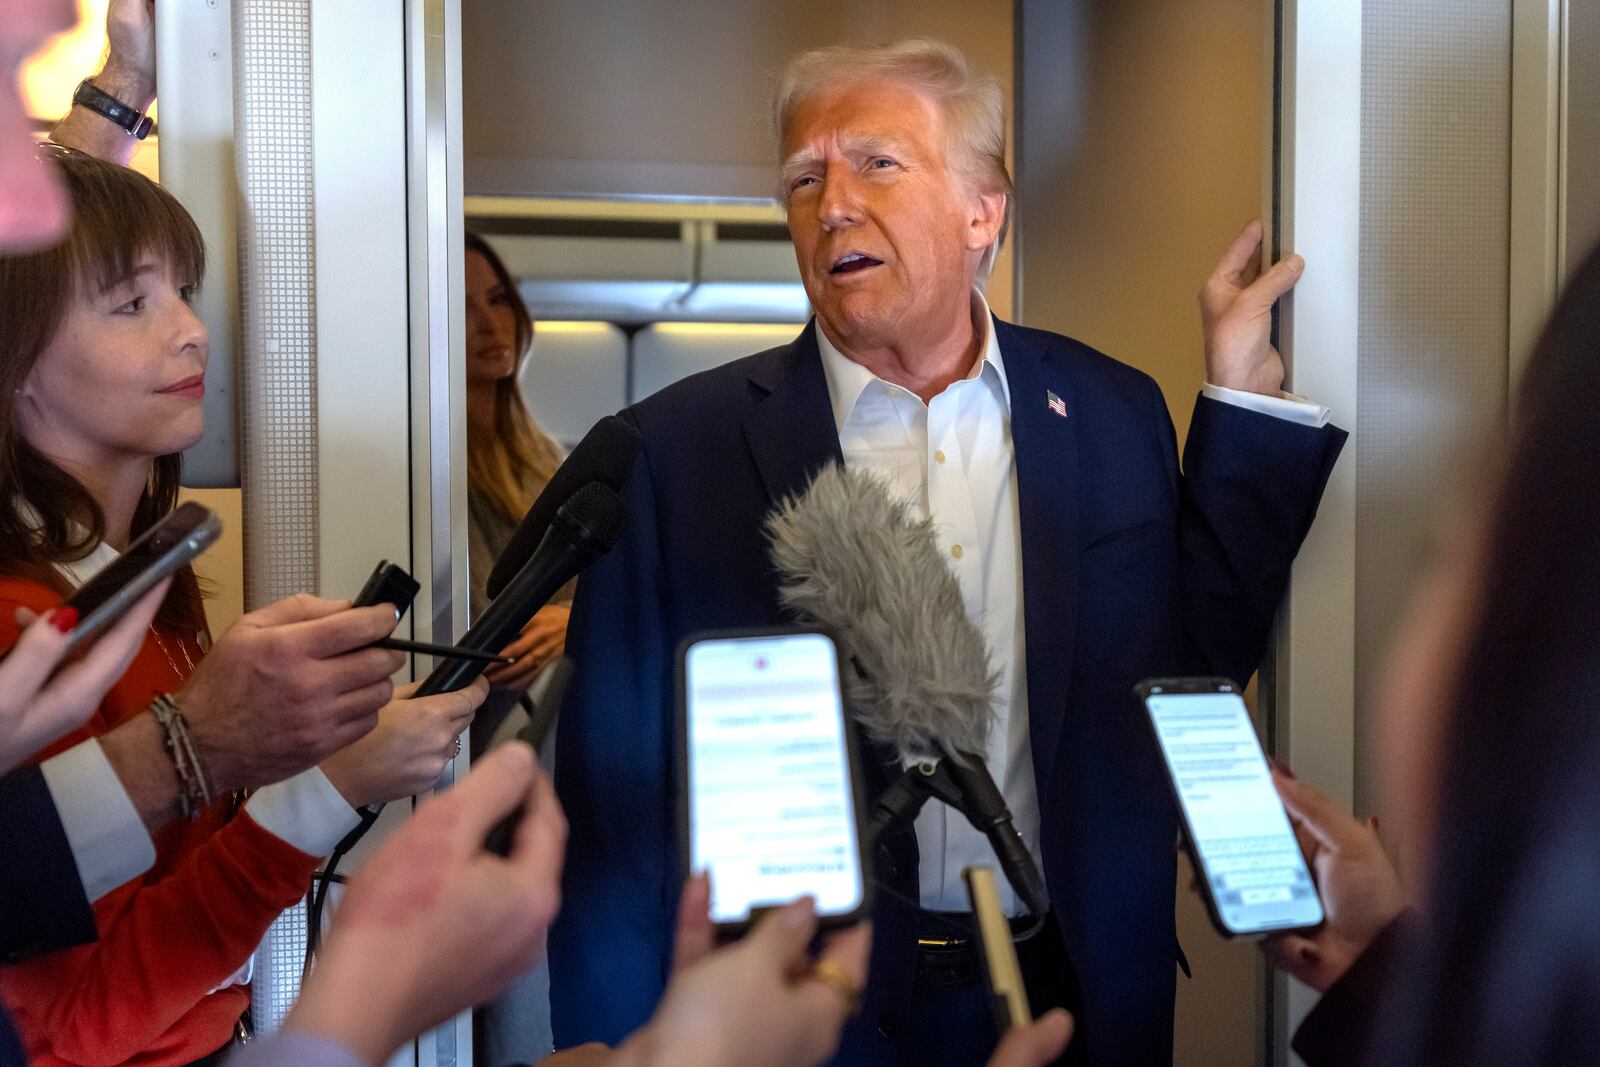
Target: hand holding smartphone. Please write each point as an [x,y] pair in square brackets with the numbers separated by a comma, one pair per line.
[769,791]
[1252,874]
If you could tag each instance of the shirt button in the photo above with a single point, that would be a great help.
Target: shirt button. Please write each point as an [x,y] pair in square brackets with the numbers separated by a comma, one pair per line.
[938,456]
[955,550]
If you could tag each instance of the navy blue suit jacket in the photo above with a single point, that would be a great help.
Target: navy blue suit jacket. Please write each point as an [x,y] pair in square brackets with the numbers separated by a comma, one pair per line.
[42,903]
[1131,569]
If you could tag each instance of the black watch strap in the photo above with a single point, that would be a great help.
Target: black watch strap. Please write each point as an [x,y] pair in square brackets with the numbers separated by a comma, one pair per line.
[103,103]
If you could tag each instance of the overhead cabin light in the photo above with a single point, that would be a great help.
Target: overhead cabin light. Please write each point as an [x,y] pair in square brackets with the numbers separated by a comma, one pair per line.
[570,326]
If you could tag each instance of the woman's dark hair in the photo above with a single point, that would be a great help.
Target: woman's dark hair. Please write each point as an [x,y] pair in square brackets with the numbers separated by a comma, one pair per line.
[1508,970]
[46,515]
[510,463]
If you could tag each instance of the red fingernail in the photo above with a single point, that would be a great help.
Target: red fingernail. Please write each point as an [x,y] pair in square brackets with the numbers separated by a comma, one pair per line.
[1280,766]
[64,618]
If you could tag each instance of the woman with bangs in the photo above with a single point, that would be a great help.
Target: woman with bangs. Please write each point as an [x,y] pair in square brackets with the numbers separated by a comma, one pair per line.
[102,376]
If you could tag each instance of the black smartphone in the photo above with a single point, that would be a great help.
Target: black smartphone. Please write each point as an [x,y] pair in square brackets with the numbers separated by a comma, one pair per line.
[769,789]
[1252,874]
[389,583]
[1000,966]
[158,552]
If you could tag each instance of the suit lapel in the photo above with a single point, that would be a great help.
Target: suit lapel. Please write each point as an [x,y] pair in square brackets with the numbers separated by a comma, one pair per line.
[1044,443]
[790,429]
[791,435]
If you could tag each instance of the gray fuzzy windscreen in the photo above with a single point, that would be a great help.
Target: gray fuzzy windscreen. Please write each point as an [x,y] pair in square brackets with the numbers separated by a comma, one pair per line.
[853,560]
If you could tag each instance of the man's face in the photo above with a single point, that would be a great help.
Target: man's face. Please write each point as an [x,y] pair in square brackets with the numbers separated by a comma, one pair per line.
[887,238]
[33,206]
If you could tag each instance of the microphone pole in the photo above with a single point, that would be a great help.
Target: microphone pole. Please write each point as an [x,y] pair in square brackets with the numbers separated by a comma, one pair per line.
[980,801]
[962,782]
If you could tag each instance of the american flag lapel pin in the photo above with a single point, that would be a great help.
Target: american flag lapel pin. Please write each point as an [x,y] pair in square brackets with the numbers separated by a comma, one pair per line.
[1055,403]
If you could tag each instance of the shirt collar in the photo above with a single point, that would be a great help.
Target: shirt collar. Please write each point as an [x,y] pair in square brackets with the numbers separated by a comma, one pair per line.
[79,571]
[75,571]
[847,379]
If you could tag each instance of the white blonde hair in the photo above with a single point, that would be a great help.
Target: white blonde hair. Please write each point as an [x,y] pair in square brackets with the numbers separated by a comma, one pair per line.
[973,106]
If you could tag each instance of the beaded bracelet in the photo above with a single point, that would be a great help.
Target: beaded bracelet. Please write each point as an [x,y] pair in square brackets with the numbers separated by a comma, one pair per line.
[195,792]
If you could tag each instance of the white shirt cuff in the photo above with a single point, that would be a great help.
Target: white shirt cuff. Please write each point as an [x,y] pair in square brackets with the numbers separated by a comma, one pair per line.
[306,811]
[108,839]
[1283,406]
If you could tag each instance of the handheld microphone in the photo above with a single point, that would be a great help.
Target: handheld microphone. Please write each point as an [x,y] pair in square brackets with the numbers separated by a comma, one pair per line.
[852,559]
[606,455]
[584,529]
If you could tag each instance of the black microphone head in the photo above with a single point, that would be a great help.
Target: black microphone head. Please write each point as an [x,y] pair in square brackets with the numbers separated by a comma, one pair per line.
[853,560]
[592,518]
[606,455]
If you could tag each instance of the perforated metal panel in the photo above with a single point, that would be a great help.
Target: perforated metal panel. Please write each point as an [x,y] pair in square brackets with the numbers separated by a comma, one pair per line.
[272,42]
[1582,179]
[1432,335]
[277,973]
[272,94]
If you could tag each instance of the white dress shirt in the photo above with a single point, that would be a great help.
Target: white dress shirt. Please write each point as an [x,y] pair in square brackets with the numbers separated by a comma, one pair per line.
[103,829]
[951,460]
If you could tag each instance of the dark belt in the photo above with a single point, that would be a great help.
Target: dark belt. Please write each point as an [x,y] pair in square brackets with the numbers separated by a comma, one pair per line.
[948,950]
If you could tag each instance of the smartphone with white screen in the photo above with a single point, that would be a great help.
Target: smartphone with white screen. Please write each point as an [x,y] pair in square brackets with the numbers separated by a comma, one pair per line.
[1251,871]
[769,798]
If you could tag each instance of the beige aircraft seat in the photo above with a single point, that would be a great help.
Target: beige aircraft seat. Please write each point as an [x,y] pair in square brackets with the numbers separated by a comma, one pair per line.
[575,375]
[669,351]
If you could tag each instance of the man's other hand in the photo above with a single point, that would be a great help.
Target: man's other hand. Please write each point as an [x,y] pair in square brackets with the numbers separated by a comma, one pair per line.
[432,923]
[130,70]
[1236,312]
[407,751]
[542,640]
[287,686]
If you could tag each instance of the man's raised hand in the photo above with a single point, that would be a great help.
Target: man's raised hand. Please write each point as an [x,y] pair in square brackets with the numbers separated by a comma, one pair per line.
[1236,313]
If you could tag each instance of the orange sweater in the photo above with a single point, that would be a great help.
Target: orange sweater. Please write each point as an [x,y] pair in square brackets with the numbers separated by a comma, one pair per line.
[140,995]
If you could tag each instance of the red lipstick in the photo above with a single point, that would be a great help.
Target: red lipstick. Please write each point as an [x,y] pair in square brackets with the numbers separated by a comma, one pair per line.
[191,388]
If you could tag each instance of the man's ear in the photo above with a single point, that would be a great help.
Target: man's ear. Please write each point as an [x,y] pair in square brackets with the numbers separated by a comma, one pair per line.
[987,217]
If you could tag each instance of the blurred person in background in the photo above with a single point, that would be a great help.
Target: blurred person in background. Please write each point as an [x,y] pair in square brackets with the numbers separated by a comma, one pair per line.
[509,461]
[1491,757]
[509,457]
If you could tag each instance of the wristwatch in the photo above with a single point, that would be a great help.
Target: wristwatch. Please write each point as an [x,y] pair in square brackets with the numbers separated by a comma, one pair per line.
[103,103]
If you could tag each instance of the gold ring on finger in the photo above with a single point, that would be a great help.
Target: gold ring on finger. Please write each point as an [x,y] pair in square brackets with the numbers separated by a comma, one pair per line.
[835,978]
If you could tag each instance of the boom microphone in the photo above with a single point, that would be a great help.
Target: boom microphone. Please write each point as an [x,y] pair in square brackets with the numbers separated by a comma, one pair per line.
[854,560]
[606,455]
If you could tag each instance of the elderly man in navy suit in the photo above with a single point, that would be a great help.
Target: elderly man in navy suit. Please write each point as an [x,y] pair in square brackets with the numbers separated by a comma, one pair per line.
[1088,557]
